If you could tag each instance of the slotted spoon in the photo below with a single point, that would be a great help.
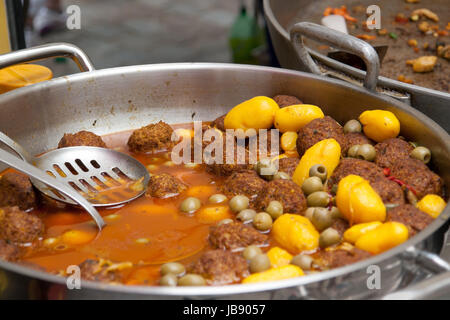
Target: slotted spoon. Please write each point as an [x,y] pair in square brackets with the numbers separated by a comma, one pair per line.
[103,176]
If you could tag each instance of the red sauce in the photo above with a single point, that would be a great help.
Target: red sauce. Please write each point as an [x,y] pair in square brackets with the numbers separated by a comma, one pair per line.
[170,234]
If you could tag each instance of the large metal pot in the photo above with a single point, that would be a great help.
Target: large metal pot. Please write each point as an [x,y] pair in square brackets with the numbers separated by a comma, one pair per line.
[112,100]
[280,15]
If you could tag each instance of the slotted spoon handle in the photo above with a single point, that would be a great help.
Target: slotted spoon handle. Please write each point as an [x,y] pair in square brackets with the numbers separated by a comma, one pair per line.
[38,174]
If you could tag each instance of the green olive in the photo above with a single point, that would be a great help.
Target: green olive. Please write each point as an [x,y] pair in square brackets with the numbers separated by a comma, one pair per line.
[366,152]
[262,221]
[421,153]
[250,252]
[246,215]
[266,168]
[259,263]
[311,185]
[390,206]
[238,203]
[190,205]
[281,175]
[303,261]
[169,280]
[321,218]
[318,199]
[318,170]
[414,144]
[334,188]
[335,213]
[275,209]
[352,126]
[353,150]
[191,279]
[329,237]
[217,198]
[309,213]
[172,268]
[224,221]
[412,199]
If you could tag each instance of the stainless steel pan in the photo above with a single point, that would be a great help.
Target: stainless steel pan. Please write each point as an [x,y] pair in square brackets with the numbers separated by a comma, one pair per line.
[281,16]
[112,100]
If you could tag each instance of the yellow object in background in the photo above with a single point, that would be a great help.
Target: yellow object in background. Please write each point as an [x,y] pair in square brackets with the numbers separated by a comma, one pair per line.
[22,75]
[5,45]
[431,204]
[356,231]
[289,141]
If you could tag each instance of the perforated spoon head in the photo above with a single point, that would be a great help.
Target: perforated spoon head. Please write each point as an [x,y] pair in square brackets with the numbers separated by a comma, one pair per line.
[104,177]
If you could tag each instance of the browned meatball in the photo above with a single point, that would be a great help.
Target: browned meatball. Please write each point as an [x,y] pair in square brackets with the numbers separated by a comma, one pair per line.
[389,191]
[102,270]
[285,191]
[392,150]
[219,123]
[417,175]
[288,165]
[151,138]
[269,148]
[340,225]
[347,166]
[246,183]
[220,267]
[220,167]
[81,138]
[17,226]
[285,100]
[235,235]
[165,185]
[8,252]
[16,190]
[354,138]
[340,257]
[318,130]
[411,217]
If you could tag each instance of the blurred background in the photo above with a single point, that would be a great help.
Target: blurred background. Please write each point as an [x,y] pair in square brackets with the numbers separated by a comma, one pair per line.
[130,32]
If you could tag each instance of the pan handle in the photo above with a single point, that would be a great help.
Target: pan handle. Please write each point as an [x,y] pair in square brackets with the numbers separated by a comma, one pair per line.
[432,287]
[337,40]
[52,50]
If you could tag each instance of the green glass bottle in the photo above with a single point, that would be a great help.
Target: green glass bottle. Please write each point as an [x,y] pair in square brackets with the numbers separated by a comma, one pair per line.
[245,36]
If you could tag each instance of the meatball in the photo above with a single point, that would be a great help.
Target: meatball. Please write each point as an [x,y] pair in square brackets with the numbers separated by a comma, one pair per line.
[355,138]
[318,130]
[265,149]
[246,183]
[417,175]
[285,100]
[8,252]
[220,267]
[81,138]
[219,123]
[362,168]
[103,270]
[389,191]
[235,235]
[20,227]
[288,165]
[220,167]
[340,225]
[411,217]
[165,185]
[340,257]
[151,138]
[285,191]
[16,190]
[392,150]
